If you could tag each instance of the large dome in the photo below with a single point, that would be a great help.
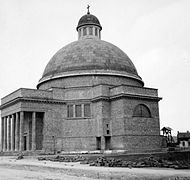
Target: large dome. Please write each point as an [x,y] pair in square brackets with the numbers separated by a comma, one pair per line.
[89,56]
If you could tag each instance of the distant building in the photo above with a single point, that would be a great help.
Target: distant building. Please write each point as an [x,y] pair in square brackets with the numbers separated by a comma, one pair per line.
[183,139]
[90,97]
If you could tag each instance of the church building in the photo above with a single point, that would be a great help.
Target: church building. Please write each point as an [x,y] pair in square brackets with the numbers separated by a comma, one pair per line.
[90,97]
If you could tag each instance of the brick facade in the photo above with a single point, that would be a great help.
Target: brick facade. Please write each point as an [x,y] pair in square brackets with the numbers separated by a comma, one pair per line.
[111,116]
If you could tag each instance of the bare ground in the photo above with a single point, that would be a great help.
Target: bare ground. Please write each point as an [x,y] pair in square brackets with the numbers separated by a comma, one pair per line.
[31,168]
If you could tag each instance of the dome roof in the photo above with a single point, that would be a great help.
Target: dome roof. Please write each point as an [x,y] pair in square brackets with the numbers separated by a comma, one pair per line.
[89,56]
[88,19]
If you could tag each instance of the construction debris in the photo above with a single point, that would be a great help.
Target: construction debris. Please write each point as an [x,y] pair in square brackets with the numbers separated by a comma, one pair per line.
[115,162]
[141,163]
[63,158]
[20,156]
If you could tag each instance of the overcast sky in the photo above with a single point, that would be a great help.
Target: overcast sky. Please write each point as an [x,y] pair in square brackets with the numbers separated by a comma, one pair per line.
[155,34]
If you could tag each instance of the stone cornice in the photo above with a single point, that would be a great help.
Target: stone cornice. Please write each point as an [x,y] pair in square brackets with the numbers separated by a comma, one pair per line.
[100,98]
[34,100]
[135,96]
[124,95]
[95,99]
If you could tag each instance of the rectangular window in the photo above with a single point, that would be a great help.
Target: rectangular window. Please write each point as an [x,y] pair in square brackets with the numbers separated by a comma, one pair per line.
[87,112]
[90,30]
[84,31]
[79,33]
[70,111]
[78,110]
[96,32]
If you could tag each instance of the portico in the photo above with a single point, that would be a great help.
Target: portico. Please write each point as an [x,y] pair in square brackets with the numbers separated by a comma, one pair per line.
[19,131]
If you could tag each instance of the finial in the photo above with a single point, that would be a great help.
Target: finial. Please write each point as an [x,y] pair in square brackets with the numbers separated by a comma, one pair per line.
[88,12]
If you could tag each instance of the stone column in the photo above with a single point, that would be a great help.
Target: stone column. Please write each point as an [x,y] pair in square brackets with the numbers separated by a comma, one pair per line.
[2,133]
[28,132]
[93,30]
[74,110]
[82,110]
[5,135]
[81,32]
[34,131]
[21,147]
[87,31]
[13,133]
[7,119]
[17,132]
[8,133]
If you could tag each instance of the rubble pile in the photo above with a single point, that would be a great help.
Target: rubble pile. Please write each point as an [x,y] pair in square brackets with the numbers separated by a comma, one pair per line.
[140,163]
[20,156]
[63,158]
[116,162]
[108,162]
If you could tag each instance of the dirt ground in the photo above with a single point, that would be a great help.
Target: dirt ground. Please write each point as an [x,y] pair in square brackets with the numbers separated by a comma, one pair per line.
[31,168]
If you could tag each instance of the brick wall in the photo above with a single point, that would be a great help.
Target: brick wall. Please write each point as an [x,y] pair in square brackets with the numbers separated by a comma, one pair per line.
[114,114]
[134,132]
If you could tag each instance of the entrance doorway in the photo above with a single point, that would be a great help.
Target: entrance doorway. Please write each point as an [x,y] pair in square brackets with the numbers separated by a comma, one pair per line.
[25,143]
[107,142]
[98,143]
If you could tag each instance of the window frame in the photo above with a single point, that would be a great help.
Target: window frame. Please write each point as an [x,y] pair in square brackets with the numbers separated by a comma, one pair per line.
[96,32]
[141,110]
[90,30]
[80,113]
[84,31]
[69,110]
[87,115]
[80,32]
[183,143]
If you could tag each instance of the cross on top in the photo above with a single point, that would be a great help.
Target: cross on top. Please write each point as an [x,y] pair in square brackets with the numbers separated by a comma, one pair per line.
[88,9]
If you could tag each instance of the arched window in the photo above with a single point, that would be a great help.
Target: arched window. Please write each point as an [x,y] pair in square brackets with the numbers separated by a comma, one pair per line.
[141,111]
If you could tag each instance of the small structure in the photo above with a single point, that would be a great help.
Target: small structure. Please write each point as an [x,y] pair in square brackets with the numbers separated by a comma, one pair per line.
[183,139]
[168,136]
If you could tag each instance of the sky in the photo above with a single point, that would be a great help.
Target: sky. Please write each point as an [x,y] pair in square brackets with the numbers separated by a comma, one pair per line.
[154,34]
